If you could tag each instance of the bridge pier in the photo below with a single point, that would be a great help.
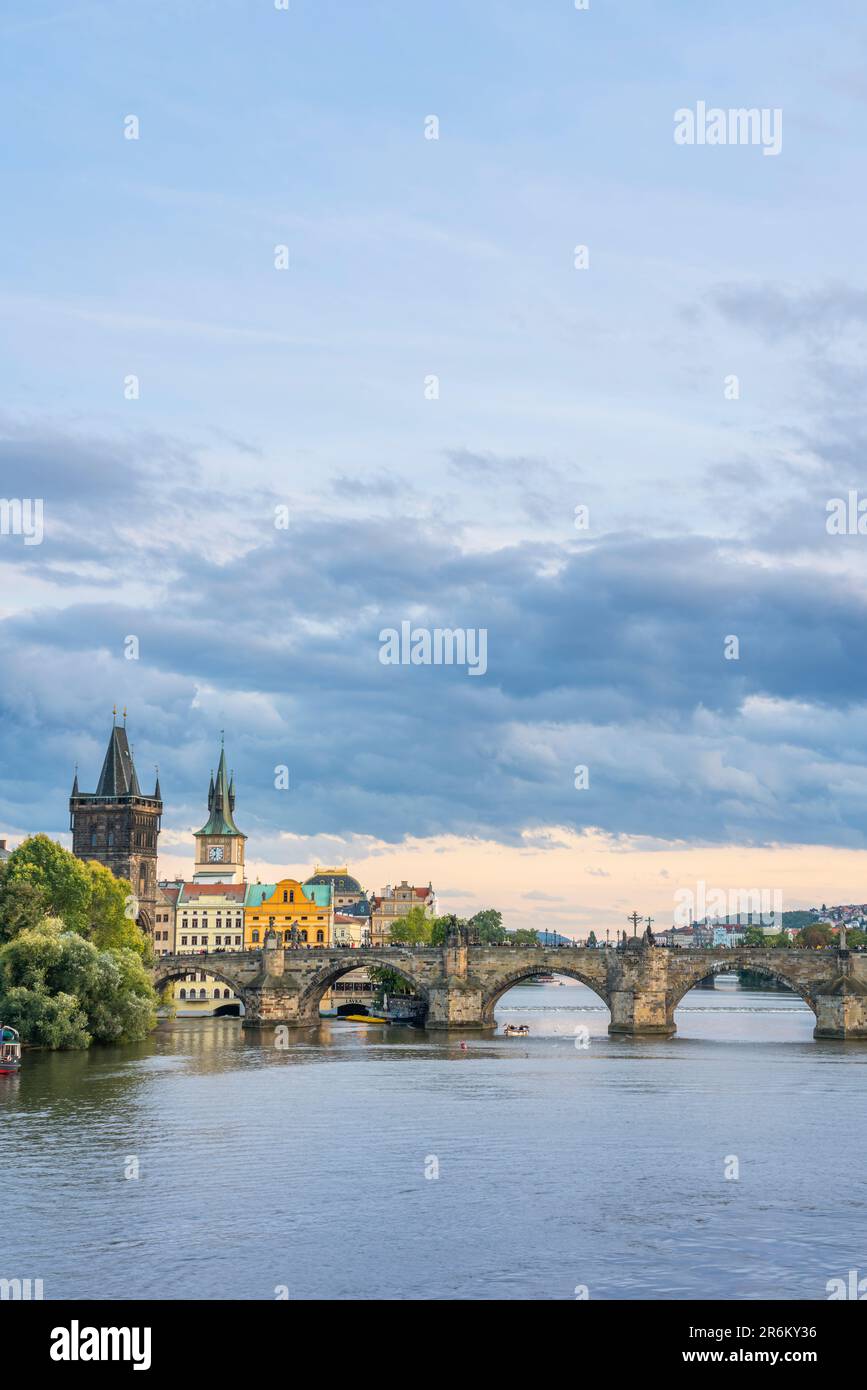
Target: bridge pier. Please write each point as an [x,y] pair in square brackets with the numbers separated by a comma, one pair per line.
[456,1004]
[640,1014]
[842,1012]
[270,1006]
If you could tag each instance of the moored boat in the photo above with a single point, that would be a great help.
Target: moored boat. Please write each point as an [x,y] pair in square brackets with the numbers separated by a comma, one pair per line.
[10,1049]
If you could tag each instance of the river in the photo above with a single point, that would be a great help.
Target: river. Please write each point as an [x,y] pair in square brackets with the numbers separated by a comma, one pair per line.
[374,1162]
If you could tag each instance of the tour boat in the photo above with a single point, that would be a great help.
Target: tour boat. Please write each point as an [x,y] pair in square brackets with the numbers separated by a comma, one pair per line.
[516,1030]
[10,1049]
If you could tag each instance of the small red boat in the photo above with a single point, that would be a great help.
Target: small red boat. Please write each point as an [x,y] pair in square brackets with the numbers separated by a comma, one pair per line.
[10,1049]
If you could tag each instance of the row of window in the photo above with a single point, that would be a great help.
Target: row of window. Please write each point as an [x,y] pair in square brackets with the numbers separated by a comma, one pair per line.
[185,922]
[203,994]
[287,936]
[218,941]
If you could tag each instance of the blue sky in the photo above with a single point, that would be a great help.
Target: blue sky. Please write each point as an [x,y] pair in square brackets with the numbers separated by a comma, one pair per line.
[558,387]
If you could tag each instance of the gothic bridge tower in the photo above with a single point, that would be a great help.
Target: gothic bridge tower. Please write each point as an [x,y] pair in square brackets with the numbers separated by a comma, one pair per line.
[117,826]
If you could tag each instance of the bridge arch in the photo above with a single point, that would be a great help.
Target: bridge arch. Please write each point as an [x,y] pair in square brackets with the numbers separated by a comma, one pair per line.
[514,977]
[166,974]
[310,999]
[688,980]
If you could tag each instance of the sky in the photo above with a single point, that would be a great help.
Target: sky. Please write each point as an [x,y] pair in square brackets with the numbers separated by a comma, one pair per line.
[254,471]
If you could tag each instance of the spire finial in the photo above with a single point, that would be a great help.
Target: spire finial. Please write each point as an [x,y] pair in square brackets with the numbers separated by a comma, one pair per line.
[124,716]
[113,715]
[222,738]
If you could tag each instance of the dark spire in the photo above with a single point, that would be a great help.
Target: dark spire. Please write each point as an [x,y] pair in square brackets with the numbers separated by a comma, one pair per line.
[157,793]
[75,782]
[118,776]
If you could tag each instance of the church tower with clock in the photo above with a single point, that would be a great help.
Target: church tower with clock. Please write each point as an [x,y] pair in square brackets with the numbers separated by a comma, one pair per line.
[219,843]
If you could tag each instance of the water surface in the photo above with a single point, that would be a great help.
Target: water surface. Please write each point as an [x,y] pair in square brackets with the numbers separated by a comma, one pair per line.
[559,1165]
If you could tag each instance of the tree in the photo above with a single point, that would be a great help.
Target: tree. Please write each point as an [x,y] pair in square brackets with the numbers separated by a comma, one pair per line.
[524,936]
[413,929]
[110,924]
[63,879]
[489,925]
[42,879]
[819,934]
[23,904]
[61,991]
[388,981]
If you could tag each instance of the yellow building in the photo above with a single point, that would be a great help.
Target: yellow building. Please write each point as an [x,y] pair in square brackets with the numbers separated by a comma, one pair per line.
[287,908]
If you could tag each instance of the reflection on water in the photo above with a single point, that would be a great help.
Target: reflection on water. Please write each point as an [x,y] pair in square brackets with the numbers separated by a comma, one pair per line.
[559,1164]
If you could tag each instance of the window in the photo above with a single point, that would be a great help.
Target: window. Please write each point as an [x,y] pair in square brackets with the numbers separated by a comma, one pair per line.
[195,941]
[93,839]
[304,936]
[320,937]
[237,940]
[292,895]
[285,896]
[182,993]
[255,936]
[184,941]
[111,839]
[216,994]
[227,994]
[287,936]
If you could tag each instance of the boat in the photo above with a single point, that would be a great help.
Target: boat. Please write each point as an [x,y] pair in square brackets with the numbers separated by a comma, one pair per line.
[10,1049]
[363,1018]
[516,1030]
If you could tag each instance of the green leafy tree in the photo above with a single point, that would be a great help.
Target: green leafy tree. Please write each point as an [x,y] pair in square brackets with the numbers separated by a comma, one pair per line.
[819,934]
[388,982]
[413,929]
[109,920]
[524,936]
[23,904]
[61,991]
[58,875]
[489,925]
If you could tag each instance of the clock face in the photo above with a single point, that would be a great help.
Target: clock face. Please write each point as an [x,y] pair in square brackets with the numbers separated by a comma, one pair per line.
[215,854]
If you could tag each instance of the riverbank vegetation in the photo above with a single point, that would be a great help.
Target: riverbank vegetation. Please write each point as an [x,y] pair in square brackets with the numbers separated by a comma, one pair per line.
[73,960]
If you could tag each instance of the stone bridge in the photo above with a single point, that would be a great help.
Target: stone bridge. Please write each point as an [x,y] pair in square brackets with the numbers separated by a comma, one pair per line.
[460,984]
